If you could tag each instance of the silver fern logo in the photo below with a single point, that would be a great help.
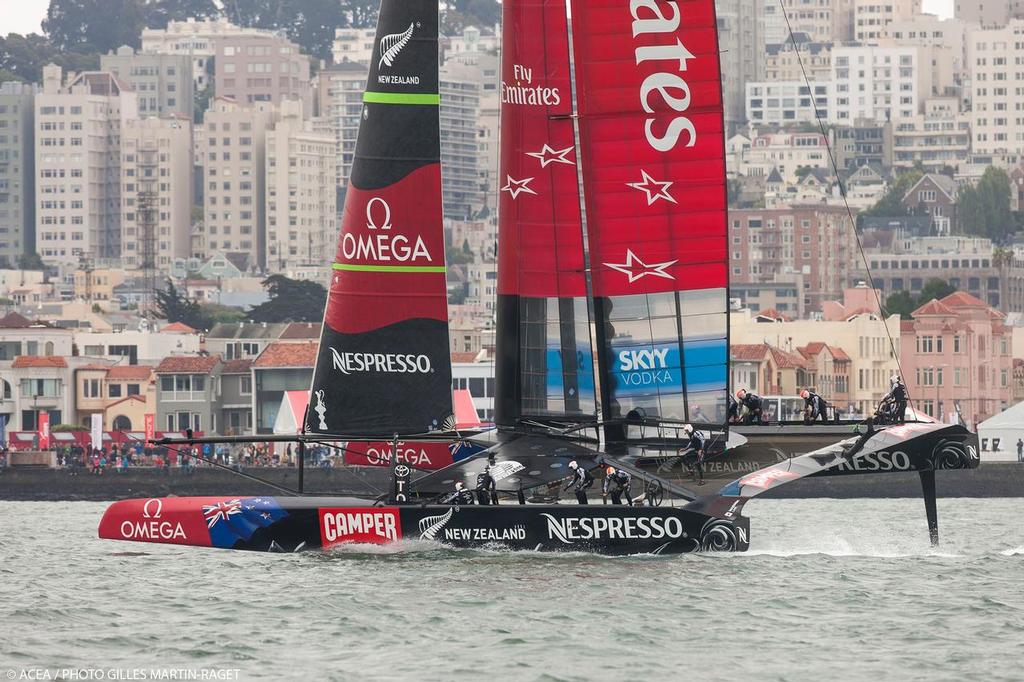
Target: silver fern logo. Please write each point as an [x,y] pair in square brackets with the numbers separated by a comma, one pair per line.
[392,45]
[430,526]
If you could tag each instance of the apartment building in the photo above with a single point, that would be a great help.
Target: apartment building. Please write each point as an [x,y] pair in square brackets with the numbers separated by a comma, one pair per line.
[821,20]
[17,167]
[871,17]
[261,67]
[816,241]
[234,170]
[988,13]
[997,88]
[940,137]
[78,128]
[187,393]
[353,46]
[340,97]
[928,30]
[788,62]
[785,152]
[301,211]
[879,83]
[460,88]
[162,82]
[156,191]
[862,143]
[781,103]
[742,53]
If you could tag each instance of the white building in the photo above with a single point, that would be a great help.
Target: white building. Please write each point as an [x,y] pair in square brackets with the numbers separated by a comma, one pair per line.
[939,137]
[871,17]
[988,13]
[878,83]
[472,40]
[300,191]
[340,94]
[156,191]
[78,131]
[997,88]
[785,152]
[353,45]
[821,20]
[741,51]
[928,30]
[779,103]
[17,177]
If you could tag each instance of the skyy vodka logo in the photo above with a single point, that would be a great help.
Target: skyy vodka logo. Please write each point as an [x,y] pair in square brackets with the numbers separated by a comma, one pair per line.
[646,367]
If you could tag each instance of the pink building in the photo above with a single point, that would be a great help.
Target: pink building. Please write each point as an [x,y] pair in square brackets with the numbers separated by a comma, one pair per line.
[957,353]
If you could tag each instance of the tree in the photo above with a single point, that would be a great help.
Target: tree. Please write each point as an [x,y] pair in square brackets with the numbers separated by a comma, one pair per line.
[30,261]
[22,58]
[984,210]
[93,25]
[934,288]
[175,306]
[290,301]
[891,204]
[901,303]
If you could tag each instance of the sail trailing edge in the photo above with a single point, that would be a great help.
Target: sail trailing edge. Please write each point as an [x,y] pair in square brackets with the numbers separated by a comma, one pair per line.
[651,133]
[544,355]
[384,366]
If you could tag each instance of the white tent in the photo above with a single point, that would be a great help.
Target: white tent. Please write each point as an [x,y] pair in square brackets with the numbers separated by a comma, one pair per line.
[999,434]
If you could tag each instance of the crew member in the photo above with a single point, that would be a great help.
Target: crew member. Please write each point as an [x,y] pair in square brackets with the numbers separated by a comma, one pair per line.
[898,397]
[695,452]
[580,481]
[753,403]
[616,482]
[733,412]
[486,488]
[814,407]
[460,496]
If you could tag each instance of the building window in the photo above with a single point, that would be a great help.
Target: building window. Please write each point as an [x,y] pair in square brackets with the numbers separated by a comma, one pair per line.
[114,390]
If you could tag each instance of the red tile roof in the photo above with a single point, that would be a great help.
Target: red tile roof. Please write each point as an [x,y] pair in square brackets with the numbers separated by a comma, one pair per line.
[748,351]
[137,398]
[15,321]
[240,366]
[839,354]
[962,299]
[933,307]
[178,328]
[906,326]
[464,357]
[301,331]
[96,367]
[129,372]
[786,360]
[32,361]
[284,354]
[188,364]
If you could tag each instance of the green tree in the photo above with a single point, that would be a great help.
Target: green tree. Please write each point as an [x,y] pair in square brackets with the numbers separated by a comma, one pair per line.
[22,58]
[290,301]
[891,204]
[174,306]
[900,303]
[30,261]
[93,25]
[984,210]
[934,288]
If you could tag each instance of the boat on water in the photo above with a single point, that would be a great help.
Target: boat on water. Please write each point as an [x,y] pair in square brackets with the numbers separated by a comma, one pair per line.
[612,300]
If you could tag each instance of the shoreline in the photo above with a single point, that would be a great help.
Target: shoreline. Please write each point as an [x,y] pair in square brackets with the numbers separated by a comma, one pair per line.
[992,479]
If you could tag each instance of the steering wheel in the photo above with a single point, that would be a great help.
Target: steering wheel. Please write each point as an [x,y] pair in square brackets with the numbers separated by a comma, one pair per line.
[655,493]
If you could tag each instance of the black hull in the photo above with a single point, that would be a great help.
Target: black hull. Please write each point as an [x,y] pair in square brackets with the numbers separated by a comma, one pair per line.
[298,524]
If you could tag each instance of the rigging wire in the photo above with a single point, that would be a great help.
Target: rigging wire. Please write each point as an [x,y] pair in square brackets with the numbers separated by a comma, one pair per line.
[842,192]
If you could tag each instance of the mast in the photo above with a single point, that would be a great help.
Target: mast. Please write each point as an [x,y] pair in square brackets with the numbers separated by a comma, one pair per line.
[651,142]
[384,367]
[544,364]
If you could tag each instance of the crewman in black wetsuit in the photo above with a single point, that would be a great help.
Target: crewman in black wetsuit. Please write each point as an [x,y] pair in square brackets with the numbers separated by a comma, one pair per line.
[460,496]
[753,403]
[486,488]
[616,482]
[695,452]
[580,481]
[898,397]
[814,407]
[732,414]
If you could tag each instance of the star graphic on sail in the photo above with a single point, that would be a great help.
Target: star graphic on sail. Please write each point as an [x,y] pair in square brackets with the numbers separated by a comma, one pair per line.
[547,156]
[654,189]
[517,187]
[637,269]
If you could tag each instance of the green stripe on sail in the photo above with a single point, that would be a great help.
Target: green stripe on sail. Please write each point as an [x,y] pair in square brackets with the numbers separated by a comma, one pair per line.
[388,268]
[401,98]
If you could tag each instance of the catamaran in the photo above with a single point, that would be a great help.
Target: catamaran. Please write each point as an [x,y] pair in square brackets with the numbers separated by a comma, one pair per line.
[612,304]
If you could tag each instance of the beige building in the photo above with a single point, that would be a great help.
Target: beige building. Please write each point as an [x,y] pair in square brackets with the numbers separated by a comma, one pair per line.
[928,30]
[997,88]
[460,86]
[988,13]
[156,190]
[300,191]
[742,53]
[97,285]
[78,129]
[17,177]
[879,83]
[784,62]
[871,17]
[821,20]
[233,160]
[162,82]
[353,45]
[261,67]
[340,99]
[864,338]
[939,137]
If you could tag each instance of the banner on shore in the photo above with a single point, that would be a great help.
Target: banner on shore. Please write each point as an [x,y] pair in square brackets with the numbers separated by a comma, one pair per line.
[44,430]
[149,424]
[97,431]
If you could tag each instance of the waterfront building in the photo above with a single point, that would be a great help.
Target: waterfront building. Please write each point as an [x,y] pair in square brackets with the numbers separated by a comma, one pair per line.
[78,129]
[187,396]
[162,82]
[17,171]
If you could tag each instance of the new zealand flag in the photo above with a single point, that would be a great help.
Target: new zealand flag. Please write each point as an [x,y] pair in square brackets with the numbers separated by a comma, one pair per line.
[237,519]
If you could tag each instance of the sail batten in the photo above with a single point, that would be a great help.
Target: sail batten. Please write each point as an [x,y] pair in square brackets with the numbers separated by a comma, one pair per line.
[384,367]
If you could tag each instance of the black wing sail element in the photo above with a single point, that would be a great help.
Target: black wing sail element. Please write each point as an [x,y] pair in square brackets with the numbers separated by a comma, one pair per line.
[384,366]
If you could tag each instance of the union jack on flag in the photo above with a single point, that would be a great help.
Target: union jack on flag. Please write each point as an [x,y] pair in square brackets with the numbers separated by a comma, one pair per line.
[221,510]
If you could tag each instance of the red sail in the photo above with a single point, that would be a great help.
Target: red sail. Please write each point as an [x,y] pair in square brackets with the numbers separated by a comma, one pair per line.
[544,356]
[651,135]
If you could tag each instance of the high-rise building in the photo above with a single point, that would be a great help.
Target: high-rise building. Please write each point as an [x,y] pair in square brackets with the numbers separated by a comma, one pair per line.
[17,181]
[261,67]
[945,38]
[300,196]
[233,161]
[879,83]
[156,191]
[340,94]
[819,21]
[162,82]
[78,130]
[742,53]
[871,17]
[997,88]
[460,87]
[988,13]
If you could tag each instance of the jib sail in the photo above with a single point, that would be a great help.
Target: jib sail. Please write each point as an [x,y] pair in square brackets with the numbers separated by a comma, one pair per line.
[384,366]
[545,361]
[651,135]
